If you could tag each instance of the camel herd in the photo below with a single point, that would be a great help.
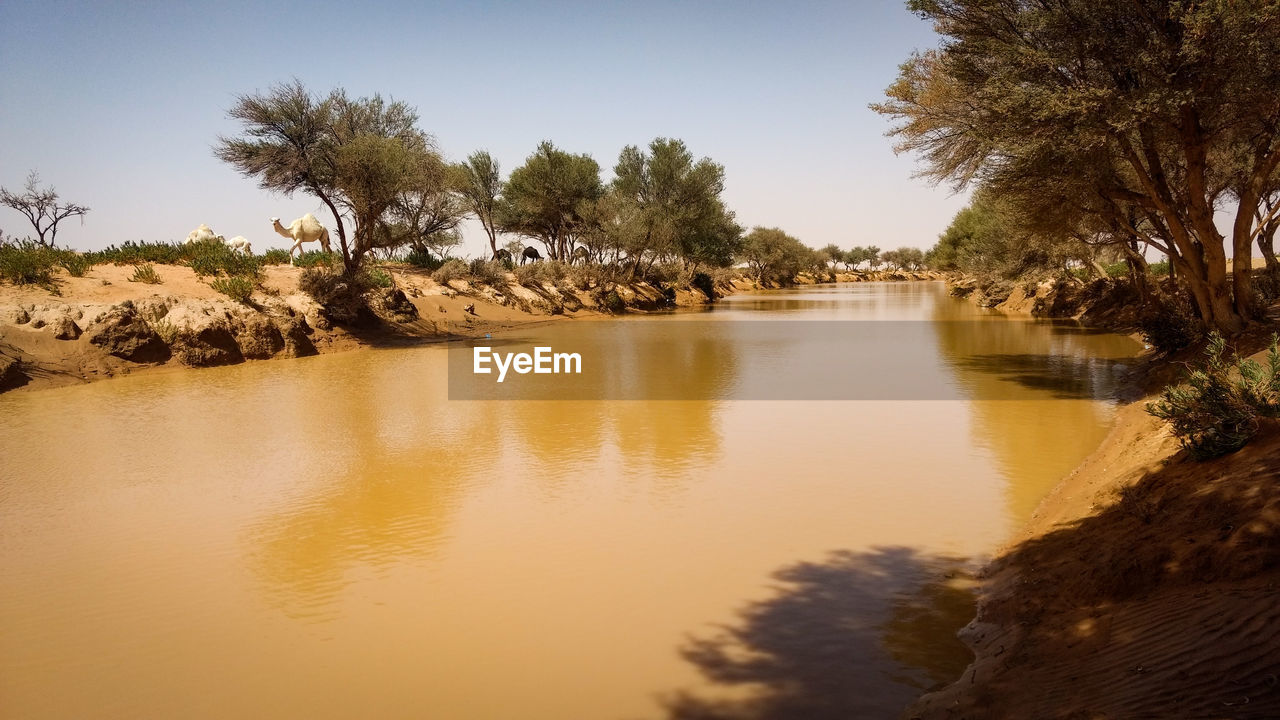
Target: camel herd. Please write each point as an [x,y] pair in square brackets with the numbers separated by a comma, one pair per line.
[302,230]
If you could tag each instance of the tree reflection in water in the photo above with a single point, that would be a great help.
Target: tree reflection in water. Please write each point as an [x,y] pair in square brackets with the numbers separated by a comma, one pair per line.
[859,635]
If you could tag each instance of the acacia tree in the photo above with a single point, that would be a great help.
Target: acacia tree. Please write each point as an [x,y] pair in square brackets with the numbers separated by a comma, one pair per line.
[773,255]
[479,182]
[676,201]
[361,157]
[1152,114]
[833,254]
[542,198]
[426,216]
[42,208]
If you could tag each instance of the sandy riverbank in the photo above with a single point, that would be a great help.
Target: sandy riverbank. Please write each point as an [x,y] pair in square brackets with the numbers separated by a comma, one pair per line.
[1145,585]
[103,325]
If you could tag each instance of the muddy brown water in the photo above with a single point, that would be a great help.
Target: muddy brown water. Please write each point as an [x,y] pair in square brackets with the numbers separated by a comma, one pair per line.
[332,537]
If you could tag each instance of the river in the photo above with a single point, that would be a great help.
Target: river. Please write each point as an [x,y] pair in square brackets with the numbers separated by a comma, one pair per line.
[334,537]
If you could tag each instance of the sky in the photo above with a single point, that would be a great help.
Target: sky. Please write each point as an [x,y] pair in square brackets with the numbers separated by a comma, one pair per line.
[118,104]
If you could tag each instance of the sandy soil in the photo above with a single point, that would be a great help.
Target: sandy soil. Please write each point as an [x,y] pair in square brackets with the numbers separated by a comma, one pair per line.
[28,314]
[1146,585]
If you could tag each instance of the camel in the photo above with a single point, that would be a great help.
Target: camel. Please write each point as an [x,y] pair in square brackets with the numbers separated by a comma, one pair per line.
[503,255]
[303,230]
[530,253]
[240,243]
[204,233]
[580,253]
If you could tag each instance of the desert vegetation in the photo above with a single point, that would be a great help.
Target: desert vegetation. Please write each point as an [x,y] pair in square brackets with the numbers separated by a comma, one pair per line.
[1087,126]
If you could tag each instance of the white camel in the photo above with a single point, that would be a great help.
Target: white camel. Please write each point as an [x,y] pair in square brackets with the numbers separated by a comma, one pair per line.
[204,233]
[303,230]
[241,244]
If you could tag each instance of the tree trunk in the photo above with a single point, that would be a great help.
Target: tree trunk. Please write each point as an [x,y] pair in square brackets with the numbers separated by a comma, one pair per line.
[1266,245]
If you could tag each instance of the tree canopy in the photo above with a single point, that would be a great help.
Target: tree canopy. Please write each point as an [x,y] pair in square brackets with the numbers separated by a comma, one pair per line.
[1119,121]
[543,198]
[364,158]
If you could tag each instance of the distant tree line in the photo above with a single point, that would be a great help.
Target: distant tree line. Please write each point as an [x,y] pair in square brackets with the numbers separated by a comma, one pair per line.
[387,187]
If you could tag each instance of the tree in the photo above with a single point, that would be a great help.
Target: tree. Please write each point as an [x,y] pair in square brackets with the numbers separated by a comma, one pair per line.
[774,256]
[1139,117]
[676,202]
[363,158]
[543,197]
[872,256]
[42,208]
[832,254]
[427,215]
[479,180]
[287,144]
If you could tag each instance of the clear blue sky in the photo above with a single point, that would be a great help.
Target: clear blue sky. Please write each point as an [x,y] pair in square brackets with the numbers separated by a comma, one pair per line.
[119,104]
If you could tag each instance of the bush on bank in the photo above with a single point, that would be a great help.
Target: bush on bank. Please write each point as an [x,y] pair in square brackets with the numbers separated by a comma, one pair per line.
[1218,409]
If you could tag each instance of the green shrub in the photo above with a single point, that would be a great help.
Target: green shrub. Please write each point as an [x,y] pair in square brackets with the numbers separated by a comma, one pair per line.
[237,287]
[207,259]
[74,263]
[529,275]
[275,256]
[377,277]
[133,253]
[1216,411]
[488,272]
[584,276]
[1158,269]
[26,262]
[1266,287]
[422,258]
[318,258]
[146,274]
[1168,323]
[167,331]
[452,270]
[703,282]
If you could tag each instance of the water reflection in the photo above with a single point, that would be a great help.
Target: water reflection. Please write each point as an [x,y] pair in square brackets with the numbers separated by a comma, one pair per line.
[858,635]
[1026,381]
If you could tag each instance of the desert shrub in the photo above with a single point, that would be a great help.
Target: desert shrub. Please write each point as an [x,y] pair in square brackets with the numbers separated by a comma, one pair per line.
[26,262]
[611,301]
[1266,285]
[703,282]
[317,258]
[1216,410]
[210,258]
[553,271]
[377,277]
[238,287]
[583,277]
[529,275]
[422,258]
[167,331]
[663,273]
[133,253]
[452,270]
[1168,323]
[74,263]
[724,277]
[275,256]
[146,274]
[489,272]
